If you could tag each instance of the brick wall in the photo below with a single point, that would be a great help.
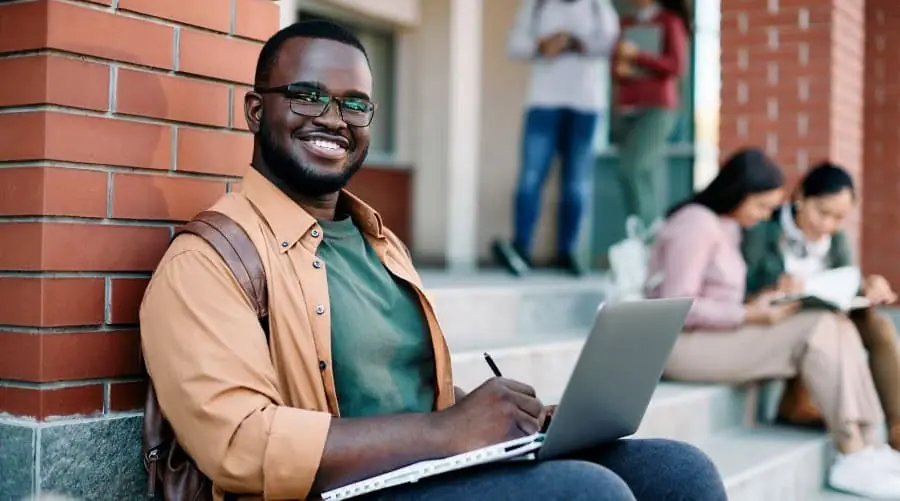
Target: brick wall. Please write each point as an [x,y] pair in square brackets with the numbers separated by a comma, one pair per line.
[120,118]
[881,176]
[792,81]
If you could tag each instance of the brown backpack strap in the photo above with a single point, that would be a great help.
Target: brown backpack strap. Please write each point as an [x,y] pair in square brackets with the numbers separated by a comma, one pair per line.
[230,240]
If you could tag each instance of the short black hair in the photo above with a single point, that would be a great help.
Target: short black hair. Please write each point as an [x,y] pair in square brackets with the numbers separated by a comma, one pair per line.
[826,178]
[746,172]
[319,28]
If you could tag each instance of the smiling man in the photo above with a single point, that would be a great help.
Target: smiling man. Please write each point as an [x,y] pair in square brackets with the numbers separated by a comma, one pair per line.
[355,379]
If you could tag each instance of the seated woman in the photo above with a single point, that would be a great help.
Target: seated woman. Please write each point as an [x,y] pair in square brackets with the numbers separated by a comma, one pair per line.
[697,254]
[803,238]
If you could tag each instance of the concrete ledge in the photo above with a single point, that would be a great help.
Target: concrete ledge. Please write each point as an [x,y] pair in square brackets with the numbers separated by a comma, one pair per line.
[89,459]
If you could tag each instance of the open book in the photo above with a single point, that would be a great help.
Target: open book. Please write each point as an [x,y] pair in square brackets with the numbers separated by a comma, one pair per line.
[520,448]
[835,289]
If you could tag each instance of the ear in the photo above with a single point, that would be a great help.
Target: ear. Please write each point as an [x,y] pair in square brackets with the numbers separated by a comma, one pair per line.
[253,105]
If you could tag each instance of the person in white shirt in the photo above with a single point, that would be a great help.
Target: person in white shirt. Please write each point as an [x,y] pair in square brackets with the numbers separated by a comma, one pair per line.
[568,44]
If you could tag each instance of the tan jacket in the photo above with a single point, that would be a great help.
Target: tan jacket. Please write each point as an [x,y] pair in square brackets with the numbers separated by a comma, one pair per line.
[255,418]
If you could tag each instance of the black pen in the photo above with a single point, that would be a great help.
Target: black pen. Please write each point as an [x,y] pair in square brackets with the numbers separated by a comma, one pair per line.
[492,365]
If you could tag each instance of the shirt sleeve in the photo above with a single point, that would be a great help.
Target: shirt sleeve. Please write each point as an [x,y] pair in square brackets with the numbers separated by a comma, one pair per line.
[211,368]
[673,61]
[686,254]
[522,43]
[603,38]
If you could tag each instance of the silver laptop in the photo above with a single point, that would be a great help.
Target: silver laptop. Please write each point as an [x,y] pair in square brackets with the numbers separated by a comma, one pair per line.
[615,376]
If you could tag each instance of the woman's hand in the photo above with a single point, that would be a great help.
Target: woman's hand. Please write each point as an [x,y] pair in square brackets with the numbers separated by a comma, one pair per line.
[765,311]
[553,45]
[627,50]
[877,290]
[624,69]
[789,284]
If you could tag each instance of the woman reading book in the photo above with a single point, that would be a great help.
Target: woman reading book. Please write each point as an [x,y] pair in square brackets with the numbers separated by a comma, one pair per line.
[649,60]
[730,340]
[803,238]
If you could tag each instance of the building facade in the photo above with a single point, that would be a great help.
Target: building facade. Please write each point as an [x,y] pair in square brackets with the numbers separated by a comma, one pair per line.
[121,118]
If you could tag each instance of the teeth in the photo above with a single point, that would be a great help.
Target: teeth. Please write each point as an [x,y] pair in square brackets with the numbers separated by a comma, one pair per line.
[328,145]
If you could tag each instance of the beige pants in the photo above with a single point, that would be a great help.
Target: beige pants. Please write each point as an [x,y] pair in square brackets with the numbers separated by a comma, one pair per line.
[824,348]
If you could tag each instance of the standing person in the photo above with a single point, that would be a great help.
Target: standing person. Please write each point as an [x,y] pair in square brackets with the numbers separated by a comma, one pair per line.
[729,339]
[568,43]
[647,98]
[356,378]
[804,237]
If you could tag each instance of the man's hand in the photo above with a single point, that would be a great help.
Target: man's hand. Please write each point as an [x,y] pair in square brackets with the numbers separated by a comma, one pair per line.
[624,69]
[497,411]
[546,416]
[878,290]
[553,45]
[627,50]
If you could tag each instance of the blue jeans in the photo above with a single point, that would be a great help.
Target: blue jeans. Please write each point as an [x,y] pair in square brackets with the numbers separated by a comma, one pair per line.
[627,470]
[549,131]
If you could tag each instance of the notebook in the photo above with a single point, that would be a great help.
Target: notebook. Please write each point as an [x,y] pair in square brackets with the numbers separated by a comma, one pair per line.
[835,289]
[648,40]
[518,449]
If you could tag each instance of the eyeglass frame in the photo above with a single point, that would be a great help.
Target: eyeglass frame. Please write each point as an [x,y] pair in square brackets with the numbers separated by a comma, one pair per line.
[297,87]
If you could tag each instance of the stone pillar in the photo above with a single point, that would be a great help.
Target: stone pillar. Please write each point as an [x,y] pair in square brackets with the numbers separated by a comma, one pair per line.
[792,82]
[120,119]
[881,177]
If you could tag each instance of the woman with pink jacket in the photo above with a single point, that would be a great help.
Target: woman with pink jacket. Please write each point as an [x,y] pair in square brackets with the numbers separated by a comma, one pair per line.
[697,254]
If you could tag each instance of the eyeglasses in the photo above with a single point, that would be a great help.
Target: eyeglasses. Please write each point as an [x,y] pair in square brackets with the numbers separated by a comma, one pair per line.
[311,102]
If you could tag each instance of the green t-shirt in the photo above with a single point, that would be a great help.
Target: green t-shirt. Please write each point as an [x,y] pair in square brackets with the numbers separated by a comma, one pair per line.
[382,357]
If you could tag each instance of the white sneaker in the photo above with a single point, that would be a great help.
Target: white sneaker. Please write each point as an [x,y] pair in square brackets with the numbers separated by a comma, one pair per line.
[870,473]
[891,456]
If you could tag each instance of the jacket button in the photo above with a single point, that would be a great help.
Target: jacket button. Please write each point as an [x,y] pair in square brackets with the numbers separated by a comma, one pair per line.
[314,233]
[320,309]
[317,264]
[322,365]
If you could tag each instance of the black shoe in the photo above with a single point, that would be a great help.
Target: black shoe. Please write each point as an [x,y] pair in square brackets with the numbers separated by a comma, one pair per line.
[571,264]
[511,257]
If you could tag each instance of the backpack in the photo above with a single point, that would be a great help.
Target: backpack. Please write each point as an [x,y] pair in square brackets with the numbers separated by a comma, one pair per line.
[170,470]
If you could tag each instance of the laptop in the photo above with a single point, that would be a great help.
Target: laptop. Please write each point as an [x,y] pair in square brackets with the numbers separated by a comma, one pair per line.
[606,397]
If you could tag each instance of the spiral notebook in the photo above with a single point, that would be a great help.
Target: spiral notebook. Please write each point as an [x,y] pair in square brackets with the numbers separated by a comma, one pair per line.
[518,449]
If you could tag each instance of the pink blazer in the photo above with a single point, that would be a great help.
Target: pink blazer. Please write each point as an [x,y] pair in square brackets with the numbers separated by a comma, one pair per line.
[697,254]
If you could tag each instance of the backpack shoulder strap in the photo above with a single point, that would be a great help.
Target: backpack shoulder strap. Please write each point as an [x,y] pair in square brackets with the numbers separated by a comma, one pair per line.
[231,241]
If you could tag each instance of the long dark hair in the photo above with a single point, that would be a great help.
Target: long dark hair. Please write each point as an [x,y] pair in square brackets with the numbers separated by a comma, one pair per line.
[680,8]
[824,179]
[746,172]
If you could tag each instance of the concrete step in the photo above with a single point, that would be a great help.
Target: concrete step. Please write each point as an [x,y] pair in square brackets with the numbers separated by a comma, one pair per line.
[770,463]
[496,306]
[679,411]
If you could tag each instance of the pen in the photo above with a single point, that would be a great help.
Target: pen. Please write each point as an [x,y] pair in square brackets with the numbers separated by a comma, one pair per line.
[492,365]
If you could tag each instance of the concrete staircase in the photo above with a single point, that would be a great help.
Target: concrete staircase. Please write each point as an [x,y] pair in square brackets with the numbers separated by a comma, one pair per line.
[534,329]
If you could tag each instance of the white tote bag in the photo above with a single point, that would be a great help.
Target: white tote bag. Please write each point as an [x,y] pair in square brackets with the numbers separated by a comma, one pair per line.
[629,260]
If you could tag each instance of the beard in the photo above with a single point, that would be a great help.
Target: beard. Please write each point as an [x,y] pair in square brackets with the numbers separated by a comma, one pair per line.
[303,179]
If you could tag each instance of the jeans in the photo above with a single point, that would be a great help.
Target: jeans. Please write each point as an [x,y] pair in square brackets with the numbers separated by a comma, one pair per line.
[642,156]
[549,131]
[627,470]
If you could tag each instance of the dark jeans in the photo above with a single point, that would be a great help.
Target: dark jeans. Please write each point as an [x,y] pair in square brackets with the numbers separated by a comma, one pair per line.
[549,131]
[645,470]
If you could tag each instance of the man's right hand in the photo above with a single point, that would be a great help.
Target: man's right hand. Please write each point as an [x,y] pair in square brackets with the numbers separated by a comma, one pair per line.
[553,45]
[497,411]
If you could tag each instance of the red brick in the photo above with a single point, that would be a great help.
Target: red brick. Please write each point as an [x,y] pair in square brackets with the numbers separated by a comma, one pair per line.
[83,30]
[80,247]
[53,79]
[52,191]
[51,302]
[238,117]
[39,135]
[41,358]
[172,98]
[256,19]
[107,3]
[137,196]
[211,14]
[125,299]
[215,56]
[86,400]
[128,396]
[213,152]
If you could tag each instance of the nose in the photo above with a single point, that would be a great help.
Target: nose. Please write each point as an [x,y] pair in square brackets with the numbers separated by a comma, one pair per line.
[331,117]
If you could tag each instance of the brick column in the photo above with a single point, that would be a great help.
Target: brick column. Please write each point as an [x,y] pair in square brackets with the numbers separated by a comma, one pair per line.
[792,81]
[881,178]
[119,119]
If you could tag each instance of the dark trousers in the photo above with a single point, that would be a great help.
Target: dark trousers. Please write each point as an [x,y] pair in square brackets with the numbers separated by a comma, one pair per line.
[549,131]
[645,470]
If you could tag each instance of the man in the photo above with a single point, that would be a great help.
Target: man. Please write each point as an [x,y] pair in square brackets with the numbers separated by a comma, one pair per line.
[356,378]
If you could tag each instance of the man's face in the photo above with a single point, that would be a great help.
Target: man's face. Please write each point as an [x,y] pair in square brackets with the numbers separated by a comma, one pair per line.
[313,155]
